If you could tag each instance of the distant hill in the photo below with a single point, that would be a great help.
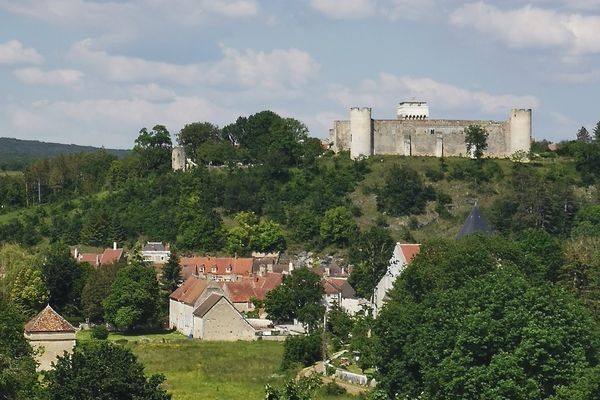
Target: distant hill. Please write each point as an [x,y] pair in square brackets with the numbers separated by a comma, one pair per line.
[15,154]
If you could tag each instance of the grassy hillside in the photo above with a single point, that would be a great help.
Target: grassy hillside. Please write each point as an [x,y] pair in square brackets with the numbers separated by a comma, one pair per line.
[16,153]
[465,192]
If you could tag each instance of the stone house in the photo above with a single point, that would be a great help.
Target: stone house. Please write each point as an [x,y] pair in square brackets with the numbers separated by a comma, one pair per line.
[240,293]
[339,291]
[216,268]
[52,334]
[182,304]
[217,319]
[108,256]
[402,256]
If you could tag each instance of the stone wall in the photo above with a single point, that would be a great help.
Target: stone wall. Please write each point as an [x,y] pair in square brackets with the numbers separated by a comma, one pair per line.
[52,345]
[223,322]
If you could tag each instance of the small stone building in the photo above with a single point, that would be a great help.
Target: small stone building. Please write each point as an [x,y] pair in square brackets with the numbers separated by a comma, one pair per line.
[217,319]
[51,332]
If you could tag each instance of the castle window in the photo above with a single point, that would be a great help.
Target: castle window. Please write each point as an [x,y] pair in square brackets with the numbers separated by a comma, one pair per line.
[432,131]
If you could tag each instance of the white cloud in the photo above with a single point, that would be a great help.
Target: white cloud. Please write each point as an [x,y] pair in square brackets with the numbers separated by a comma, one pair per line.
[152,91]
[347,9]
[58,77]
[277,69]
[388,89]
[411,9]
[590,76]
[109,122]
[532,27]
[128,14]
[13,52]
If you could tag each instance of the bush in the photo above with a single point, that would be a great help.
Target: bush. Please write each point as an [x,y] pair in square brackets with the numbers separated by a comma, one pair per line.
[99,332]
[305,350]
[434,175]
[333,389]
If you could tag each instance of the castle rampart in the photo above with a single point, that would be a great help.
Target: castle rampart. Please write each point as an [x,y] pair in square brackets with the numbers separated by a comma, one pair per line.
[364,136]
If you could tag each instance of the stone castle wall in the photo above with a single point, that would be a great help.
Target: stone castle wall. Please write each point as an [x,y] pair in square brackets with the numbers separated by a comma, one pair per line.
[437,137]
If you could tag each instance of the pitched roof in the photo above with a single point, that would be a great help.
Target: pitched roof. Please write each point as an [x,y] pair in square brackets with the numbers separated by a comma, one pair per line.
[239,266]
[475,223]
[337,286]
[409,251]
[258,287]
[155,246]
[189,291]
[48,320]
[91,258]
[208,304]
[111,256]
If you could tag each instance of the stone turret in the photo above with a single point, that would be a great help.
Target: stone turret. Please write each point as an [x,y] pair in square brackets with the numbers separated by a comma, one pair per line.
[361,132]
[520,130]
[178,160]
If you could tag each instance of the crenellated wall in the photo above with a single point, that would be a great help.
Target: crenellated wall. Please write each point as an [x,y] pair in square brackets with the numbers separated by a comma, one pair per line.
[438,137]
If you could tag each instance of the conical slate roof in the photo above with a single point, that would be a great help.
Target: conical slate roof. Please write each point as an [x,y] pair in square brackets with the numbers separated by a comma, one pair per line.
[48,320]
[475,223]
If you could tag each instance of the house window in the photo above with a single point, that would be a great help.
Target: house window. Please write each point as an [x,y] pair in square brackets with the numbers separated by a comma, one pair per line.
[201,269]
[213,270]
[228,270]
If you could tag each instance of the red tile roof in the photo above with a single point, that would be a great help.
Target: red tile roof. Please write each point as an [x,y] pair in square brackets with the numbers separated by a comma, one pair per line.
[111,256]
[48,320]
[409,251]
[91,258]
[244,290]
[189,291]
[239,266]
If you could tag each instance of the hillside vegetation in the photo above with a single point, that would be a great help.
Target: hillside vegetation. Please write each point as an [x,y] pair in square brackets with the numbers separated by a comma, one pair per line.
[16,154]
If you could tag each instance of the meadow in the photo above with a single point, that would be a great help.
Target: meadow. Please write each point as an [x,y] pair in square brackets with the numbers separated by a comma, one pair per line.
[210,370]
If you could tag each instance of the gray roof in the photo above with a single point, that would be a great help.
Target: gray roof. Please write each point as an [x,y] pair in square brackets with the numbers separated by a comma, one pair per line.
[475,223]
[208,304]
[154,246]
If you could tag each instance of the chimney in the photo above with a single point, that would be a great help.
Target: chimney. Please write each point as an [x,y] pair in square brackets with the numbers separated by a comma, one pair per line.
[114,245]
[76,253]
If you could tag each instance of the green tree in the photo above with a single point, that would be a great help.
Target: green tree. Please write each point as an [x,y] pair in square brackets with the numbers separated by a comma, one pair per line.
[29,291]
[171,273]
[96,289]
[18,379]
[403,192]
[476,138]
[596,132]
[303,388]
[362,342]
[339,325]
[338,226]
[193,136]
[483,331]
[583,135]
[370,254]
[134,298]
[303,350]
[153,149]
[102,371]
[299,296]
[64,278]
[267,236]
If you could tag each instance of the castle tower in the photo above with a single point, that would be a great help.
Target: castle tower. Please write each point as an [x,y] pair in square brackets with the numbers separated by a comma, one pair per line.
[361,132]
[178,161]
[520,130]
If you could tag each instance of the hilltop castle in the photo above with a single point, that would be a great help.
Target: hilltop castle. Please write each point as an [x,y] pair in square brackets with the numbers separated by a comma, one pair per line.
[414,134]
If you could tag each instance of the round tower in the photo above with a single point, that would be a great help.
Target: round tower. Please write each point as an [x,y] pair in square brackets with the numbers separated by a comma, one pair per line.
[520,130]
[361,132]
[178,158]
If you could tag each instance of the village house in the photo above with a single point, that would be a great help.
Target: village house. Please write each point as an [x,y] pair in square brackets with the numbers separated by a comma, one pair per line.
[217,319]
[339,291]
[50,333]
[108,256]
[182,304]
[156,252]
[216,268]
[402,256]
[241,293]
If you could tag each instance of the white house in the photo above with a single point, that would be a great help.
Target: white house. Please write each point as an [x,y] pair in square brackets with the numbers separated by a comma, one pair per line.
[402,256]
[156,252]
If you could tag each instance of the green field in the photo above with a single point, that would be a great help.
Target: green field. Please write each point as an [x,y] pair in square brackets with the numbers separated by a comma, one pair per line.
[209,370]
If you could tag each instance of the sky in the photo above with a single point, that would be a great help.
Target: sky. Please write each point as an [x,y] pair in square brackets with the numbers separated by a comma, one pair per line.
[96,72]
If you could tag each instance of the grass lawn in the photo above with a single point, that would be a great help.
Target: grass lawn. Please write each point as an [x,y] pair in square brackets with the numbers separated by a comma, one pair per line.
[209,370]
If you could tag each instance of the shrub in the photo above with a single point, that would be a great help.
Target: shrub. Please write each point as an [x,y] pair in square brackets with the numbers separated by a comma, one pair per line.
[333,389]
[99,332]
[305,350]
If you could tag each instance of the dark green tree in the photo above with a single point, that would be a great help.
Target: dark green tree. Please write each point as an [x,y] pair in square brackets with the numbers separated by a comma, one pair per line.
[299,296]
[403,192]
[18,379]
[476,138]
[583,135]
[153,149]
[101,370]
[96,289]
[193,136]
[64,278]
[370,254]
[134,299]
[171,274]
[303,350]
[596,132]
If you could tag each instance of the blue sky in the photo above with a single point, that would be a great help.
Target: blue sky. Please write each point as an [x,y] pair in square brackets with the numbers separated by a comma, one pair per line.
[96,72]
